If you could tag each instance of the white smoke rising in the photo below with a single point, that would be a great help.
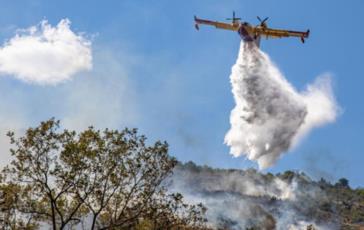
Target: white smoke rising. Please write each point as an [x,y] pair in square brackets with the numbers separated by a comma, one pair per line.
[244,199]
[46,55]
[270,115]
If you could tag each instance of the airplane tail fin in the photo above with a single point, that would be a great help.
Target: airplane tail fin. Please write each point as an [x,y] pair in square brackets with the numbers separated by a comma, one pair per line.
[196,24]
[305,36]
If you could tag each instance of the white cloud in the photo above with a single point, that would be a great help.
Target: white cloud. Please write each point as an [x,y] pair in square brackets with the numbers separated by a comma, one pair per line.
[104,98]
[46,55]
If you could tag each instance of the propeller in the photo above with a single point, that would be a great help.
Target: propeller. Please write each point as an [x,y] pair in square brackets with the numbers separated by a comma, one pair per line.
[262,22]
[233,18]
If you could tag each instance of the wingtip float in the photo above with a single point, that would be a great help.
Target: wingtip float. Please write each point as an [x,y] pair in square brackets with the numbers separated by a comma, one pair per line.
[250,33]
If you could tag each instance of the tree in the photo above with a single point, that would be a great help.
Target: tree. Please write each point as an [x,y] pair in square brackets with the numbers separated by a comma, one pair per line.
[343,182]
[108,179]
[9,203]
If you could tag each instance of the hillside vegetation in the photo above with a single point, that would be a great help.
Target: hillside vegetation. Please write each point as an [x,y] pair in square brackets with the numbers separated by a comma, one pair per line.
[269,201]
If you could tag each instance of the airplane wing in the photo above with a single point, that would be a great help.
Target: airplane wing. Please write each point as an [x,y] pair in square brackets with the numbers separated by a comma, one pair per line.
[277,33]
[220,25]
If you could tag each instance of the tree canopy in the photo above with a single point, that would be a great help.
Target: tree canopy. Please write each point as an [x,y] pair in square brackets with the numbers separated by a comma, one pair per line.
[95,179]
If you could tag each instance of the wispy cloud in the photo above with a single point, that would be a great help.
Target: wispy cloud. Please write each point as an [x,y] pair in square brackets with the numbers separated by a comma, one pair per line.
[104,98]
[44,54]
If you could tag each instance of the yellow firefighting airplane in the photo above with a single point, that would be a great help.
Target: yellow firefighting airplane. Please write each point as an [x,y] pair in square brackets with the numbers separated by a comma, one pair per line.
[252,34]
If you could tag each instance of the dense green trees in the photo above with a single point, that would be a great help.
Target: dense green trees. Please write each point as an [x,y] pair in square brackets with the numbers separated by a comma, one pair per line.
[95,180]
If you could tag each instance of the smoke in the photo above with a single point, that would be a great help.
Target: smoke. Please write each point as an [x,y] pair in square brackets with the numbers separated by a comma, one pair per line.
[237,199]
[270,116]
[45,55]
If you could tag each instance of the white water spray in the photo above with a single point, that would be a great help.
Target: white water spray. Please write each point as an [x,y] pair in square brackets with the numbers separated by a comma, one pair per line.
[270,115]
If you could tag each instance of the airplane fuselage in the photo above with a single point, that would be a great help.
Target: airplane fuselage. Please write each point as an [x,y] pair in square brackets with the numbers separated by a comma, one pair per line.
[247,34]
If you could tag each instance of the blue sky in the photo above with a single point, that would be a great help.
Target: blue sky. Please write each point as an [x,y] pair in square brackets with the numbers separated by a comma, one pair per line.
[153,71]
